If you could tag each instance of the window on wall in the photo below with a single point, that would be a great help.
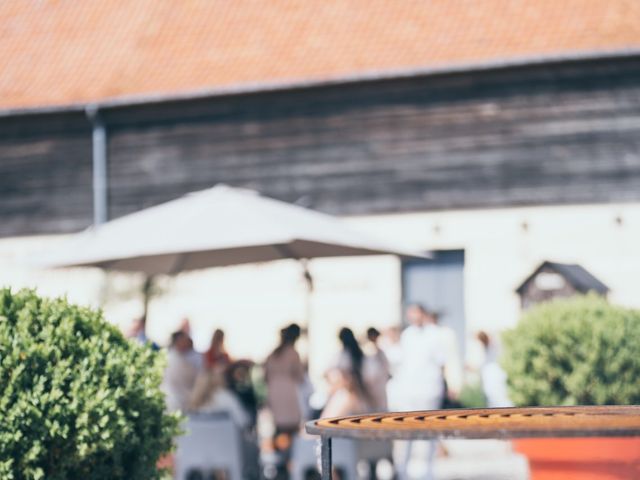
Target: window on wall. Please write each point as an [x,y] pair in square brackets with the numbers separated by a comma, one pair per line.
[438,283]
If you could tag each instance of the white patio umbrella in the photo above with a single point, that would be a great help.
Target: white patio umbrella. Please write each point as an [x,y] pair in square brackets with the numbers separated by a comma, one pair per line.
[217,227]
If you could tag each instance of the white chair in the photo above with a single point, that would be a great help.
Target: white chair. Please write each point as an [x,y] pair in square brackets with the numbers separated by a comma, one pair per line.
[212,442]
[303,457]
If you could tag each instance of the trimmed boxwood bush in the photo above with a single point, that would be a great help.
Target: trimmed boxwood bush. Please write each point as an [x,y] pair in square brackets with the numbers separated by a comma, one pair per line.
[581,351]
[77,399]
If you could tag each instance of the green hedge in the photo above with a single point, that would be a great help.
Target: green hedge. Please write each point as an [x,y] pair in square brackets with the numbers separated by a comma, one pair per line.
[77,399]
[581,351]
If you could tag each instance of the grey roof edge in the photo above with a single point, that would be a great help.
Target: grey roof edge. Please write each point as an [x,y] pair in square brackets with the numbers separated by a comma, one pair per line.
[373,75]
[601,287]
[580,277]
[529,277]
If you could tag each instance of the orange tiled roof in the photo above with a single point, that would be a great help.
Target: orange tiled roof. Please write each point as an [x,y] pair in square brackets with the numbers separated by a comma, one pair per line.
[57,52]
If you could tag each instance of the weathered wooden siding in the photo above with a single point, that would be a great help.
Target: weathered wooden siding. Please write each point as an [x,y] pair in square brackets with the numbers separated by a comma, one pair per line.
[45,174]
[547,134]
[536,135]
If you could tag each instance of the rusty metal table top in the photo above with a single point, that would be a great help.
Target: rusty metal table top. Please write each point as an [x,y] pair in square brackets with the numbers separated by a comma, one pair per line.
[498,423]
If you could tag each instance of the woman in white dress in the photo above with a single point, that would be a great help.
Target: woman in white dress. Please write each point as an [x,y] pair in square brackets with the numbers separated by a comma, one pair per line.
[349,394]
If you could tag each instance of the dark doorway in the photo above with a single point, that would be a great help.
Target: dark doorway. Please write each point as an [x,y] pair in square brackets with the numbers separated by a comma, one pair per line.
[439,284]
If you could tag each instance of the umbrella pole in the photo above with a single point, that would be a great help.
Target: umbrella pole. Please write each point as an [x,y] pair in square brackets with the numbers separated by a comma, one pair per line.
[147,288]
[308,280]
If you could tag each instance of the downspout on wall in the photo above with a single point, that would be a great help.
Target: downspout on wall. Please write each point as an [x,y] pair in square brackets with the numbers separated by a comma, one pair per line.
[100,179]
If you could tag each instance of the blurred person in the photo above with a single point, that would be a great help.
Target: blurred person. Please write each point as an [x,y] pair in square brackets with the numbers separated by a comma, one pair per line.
[180,374]
[211,394]
[185,326]
[284,373]
[420,379]
[389,343]
[376,371]
[453,369]
[216,357]
[349,394]
[138,332]
[492,376]
[419,382]
[239,382]
[196,358]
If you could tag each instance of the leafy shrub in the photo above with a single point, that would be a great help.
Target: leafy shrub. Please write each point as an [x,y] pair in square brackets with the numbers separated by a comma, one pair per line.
[581,351]
[472,396]
[77,400]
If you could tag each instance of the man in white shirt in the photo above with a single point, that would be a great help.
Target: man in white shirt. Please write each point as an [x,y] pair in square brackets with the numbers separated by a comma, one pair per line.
[419,382]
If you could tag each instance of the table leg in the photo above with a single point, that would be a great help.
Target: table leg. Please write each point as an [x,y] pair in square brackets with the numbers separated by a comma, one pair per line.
[325,456]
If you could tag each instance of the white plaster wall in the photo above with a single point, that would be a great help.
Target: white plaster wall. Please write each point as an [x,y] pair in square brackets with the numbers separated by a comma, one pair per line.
[252,302]
[503,246]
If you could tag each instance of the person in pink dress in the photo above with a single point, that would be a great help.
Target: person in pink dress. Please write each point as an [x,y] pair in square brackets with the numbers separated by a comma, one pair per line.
[284,374]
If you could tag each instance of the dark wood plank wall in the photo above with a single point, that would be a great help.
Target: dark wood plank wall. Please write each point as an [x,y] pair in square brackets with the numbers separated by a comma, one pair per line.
[45,174]
[548,134]
[537,135]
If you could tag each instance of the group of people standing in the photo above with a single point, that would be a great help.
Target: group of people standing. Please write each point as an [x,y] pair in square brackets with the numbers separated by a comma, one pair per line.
[418,369]
[415,369]
[356,380]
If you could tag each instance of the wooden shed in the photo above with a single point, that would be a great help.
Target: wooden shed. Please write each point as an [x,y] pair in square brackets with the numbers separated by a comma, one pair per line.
[558,280]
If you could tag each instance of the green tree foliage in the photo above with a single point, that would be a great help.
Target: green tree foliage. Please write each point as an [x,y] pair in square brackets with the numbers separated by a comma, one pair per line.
[77,399]
[472,396]
[581,351]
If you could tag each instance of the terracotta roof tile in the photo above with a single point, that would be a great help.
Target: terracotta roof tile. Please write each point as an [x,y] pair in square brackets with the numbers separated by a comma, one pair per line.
[57,52]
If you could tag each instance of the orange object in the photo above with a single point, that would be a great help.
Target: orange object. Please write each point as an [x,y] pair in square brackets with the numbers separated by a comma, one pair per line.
[582,458]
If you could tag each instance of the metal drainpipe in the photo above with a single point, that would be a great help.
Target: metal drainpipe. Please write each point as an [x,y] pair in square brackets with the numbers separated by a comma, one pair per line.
[100,180]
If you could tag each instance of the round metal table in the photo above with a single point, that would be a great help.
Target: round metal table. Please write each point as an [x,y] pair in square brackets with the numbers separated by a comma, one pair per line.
[495,423]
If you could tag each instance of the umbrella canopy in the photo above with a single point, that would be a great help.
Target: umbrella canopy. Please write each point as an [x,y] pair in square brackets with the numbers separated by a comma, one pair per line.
[220,226]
